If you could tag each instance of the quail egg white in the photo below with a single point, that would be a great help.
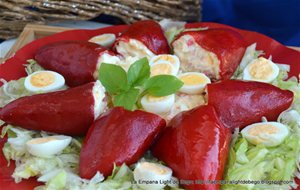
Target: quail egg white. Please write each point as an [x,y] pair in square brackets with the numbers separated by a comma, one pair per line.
[172,59]
[162,68]
[261,70]
[194,82]
[47,146]
[151,176]
[44,81]
[269,134]
[158,105]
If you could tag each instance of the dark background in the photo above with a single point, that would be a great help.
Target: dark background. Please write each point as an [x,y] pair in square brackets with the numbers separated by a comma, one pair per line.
[278,19]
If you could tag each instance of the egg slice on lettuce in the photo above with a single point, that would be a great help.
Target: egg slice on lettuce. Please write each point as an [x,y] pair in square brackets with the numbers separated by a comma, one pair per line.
[269,134]
[47,146]
[261,70]
[194,82]
[151,176]
[44,81]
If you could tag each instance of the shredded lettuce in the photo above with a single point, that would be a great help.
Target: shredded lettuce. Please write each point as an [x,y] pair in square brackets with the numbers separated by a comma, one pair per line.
[172,33]
[62,171]
[15,146]
[291,84]
[12,90]
[15,89]
[257,163]
[32,66]
[173,28]
[168,23]
[265,167]
[58,182]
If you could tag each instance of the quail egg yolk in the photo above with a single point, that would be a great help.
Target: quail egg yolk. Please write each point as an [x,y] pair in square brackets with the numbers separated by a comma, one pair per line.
[153,168]
[263,129]
[193,80]
[165,58]
[42,79]
[261,69]
[160,69]
[266,129]
[42,140]
[155,99]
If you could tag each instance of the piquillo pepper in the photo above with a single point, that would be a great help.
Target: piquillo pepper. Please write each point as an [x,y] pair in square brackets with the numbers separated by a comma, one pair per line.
[77,61]
[120,136]
[215,52]
[149,33]
[70,112]
[195,146]
[241,103]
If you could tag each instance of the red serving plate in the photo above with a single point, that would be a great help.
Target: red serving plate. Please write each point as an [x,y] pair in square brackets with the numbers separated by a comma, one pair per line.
[13,69]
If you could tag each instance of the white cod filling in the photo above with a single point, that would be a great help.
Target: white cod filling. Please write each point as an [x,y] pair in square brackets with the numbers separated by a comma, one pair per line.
[134,48]
[99,99]
[194,58]
[105,58]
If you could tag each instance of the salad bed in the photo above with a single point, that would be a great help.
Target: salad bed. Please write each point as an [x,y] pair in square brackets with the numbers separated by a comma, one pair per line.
[251,164]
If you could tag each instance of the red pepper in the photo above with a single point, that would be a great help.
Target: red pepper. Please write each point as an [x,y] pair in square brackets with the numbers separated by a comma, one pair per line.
[241,103]
[68,112]
[119,137]
[15,64]
[279,52]
[75,60]
[226,44]
[195,146]
[149,33]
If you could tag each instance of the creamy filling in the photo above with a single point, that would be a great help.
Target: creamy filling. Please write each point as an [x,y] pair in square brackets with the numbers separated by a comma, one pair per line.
[99,99]
[133,48]
[106,58]
[194,58]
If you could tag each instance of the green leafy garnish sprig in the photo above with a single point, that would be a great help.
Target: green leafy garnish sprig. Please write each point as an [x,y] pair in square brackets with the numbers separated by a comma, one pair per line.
[127,88]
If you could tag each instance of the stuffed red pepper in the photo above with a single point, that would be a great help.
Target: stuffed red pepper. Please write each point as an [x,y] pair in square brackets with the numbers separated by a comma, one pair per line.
[241,103]
[195,146]
[77,61]
[215,52]
[142,39]
[120,136]
[70,111]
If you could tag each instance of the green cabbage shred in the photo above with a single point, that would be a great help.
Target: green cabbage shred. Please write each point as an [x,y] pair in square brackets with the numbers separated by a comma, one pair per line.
[62,171]
[262,168]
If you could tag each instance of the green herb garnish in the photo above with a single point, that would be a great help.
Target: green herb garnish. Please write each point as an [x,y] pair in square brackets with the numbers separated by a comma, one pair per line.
[126,88]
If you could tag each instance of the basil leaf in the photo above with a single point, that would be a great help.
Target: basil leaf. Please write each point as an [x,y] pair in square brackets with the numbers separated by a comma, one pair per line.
[113,78]
[162,85]
[138,72]
[126,99]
